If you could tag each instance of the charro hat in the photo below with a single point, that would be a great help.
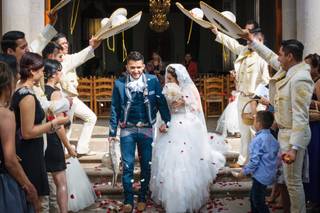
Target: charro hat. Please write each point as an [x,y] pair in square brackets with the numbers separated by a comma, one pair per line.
[117,23]
[224,21]
[195,14]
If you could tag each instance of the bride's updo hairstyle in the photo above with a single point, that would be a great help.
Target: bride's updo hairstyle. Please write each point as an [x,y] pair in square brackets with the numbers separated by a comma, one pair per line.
[172,72]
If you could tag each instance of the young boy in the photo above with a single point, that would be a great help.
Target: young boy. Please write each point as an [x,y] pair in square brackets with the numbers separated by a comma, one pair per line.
[262,163]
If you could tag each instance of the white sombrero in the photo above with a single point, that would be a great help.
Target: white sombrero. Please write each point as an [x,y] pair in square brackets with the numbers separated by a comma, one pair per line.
[224,21]
[195,14]
[60,5]
[117,23]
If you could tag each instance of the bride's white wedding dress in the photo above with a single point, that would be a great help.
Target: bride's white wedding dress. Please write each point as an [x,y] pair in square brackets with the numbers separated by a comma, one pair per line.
[184,163]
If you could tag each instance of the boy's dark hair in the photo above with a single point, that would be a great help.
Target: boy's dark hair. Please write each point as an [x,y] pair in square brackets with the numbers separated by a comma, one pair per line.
[135,56]
[265,118]
[9,40]
[294,47]
[49,49]
[58,36]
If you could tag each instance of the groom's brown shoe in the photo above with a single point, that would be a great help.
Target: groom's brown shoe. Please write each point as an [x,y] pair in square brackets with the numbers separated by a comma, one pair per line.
[141,206]
[127,208]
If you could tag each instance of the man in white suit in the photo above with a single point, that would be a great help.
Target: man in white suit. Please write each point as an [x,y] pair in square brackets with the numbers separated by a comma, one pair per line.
[250,71]
[69,84]
[290,93]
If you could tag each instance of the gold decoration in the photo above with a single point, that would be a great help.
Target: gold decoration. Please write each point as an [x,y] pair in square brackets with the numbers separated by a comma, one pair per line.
[190,32]
[113,48]
[159,10]
[74,15]
[124,49]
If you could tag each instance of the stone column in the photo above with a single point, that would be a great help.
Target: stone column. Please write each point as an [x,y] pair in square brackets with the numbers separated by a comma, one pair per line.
[289,19]
[308,27]
[26,16]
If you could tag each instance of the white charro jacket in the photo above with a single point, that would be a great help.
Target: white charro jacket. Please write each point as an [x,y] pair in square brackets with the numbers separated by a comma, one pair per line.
[69,80]
[251,70]
[290,94]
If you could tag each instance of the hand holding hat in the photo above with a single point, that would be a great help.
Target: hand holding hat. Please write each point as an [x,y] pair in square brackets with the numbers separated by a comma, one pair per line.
[117,23]
[94,42]
[224,21]
[196,15]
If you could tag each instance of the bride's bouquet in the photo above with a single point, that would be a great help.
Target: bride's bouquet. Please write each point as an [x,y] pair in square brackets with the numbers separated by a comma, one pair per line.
[172,92]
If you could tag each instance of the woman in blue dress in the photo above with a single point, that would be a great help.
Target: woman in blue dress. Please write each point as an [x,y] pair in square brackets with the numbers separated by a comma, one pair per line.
[312,188]
[17,193]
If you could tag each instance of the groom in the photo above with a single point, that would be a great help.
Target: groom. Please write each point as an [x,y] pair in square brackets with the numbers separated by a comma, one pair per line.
[136,100]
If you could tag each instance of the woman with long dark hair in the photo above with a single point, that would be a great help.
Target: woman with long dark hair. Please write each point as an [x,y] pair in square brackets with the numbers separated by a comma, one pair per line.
[15,187]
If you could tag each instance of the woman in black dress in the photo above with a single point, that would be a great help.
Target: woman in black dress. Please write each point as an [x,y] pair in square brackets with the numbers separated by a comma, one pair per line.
[29,128]
[15,187]
[54,155]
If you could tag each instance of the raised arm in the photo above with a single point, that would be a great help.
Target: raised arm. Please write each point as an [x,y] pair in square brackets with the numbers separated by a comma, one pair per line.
[77,59]
[232,44]
[268,55]
[45,35]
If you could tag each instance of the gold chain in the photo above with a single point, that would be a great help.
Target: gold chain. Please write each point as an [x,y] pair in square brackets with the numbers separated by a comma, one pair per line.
[190,32]
[74,15]
[113,48]
[124,49]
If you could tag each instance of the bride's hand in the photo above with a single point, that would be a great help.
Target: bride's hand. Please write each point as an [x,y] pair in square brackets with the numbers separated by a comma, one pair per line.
[178,103]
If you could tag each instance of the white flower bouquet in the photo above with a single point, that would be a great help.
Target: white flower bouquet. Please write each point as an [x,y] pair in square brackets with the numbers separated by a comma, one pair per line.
[172,92]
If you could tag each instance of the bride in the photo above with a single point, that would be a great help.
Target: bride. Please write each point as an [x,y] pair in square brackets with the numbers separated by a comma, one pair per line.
[183,163]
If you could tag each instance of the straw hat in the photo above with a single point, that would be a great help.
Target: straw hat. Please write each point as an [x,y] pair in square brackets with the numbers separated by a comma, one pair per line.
[196,14]
[224,21]
[117,23]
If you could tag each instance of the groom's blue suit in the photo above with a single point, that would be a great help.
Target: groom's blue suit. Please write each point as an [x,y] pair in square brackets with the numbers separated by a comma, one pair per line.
[135,113]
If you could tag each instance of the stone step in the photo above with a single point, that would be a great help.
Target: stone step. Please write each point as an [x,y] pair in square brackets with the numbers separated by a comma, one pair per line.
[96,171]
[97,158]
[218,189]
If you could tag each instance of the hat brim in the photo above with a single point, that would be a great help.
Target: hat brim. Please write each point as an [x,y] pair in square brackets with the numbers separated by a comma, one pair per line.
[108,32]
[202,23]
[220,21]
[60,5]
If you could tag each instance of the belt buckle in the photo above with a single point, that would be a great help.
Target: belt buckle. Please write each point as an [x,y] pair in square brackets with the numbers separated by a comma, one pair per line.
[139,124]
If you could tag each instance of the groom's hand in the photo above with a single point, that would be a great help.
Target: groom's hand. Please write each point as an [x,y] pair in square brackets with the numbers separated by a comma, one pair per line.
[163,128]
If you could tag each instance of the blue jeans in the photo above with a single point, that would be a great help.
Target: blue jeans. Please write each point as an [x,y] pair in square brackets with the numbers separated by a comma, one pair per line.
[257,197]
[130,137]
